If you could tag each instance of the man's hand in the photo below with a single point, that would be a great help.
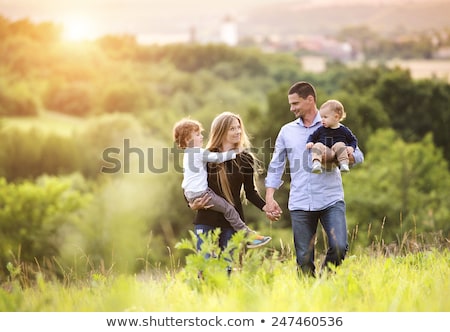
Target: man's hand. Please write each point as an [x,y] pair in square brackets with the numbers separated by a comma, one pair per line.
[350,151]
[200,203]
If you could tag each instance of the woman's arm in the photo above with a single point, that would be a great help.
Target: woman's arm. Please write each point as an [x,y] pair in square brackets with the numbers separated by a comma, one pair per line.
[251,192]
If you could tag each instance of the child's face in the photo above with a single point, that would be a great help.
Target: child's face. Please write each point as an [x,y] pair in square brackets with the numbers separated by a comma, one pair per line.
[330,119]
[197,139]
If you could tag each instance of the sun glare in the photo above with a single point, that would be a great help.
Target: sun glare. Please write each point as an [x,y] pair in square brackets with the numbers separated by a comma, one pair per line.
[78,29]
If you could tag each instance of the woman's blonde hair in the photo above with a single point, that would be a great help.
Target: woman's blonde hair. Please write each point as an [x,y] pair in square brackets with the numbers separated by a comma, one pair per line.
[219,129]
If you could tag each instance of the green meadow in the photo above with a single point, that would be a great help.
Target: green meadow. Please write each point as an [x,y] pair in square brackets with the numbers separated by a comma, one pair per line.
[261,280]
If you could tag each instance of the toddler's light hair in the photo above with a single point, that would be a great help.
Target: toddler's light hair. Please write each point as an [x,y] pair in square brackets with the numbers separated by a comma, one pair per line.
[336,107]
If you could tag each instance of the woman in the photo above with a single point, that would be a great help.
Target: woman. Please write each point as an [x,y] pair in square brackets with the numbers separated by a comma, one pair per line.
[227,179]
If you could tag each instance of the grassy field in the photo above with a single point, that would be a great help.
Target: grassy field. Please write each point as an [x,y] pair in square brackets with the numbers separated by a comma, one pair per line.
[415,282]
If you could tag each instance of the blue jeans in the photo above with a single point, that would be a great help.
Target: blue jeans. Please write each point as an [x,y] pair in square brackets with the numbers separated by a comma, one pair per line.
[224,237]
[304,228]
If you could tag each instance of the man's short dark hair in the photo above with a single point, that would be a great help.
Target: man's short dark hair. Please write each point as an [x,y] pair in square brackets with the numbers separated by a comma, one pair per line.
[303,89]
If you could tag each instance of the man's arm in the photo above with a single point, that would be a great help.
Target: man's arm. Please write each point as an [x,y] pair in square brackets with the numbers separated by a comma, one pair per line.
[357,157]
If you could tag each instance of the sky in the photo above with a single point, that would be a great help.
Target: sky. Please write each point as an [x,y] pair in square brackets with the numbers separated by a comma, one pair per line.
[89,19]
[93,18]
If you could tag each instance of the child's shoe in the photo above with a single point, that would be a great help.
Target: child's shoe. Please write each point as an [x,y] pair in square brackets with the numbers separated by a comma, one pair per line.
[316,167]
[344,168]
[258,241]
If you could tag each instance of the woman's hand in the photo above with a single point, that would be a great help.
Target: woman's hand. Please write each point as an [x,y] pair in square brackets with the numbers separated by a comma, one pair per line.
[201,203]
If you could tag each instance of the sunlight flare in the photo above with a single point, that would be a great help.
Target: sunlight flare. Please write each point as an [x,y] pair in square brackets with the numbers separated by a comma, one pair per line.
[78,29]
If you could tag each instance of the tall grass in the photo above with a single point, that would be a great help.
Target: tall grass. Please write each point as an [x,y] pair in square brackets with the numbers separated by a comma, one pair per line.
[261,280]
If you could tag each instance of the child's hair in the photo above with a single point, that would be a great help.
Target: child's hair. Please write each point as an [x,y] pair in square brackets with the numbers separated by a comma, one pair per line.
[336,107]
[183,129]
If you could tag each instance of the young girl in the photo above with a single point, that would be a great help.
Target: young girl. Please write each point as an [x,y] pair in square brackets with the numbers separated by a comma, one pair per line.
[188,136]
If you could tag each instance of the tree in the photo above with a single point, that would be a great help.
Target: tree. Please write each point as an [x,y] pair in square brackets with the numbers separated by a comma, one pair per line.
[32,214]
[403,185]
[415,108]
[71,99]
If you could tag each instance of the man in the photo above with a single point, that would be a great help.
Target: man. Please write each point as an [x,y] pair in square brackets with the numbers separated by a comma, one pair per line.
[312,197]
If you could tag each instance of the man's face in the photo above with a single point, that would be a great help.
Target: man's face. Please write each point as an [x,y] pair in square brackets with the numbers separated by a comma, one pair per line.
[298,105]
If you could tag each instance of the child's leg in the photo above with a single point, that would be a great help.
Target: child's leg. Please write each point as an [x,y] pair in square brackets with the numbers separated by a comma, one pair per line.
[322,153]
[316,151]
[231,215]
[340,149]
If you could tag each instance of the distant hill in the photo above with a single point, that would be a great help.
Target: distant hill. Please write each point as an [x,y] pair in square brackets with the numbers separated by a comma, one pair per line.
[306,17]
[254,17]
[384,17]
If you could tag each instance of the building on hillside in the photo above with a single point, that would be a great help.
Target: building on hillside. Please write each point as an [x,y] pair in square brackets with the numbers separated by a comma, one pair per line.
[229,31]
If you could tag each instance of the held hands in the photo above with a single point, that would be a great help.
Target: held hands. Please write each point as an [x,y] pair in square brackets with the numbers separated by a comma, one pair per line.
[272,210]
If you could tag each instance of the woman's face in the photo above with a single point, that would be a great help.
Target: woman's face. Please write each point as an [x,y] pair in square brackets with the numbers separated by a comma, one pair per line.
[233,135]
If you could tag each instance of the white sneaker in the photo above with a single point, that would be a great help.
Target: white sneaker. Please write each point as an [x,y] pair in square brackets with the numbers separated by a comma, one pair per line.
[316,167]
[344,168]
